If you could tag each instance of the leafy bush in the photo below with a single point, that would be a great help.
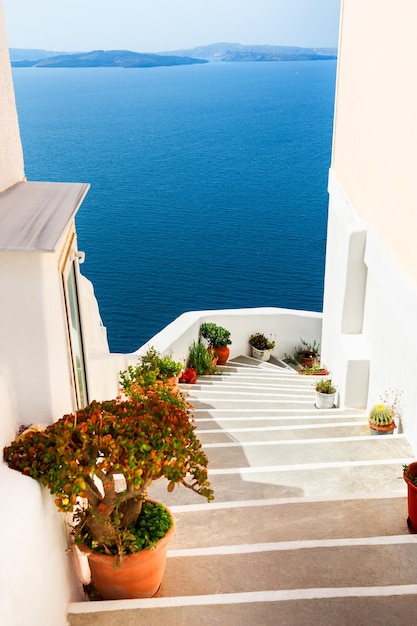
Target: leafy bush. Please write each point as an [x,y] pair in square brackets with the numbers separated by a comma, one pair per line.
[261,342]
[201,359]
[84,457]
[217,336]
[325,386]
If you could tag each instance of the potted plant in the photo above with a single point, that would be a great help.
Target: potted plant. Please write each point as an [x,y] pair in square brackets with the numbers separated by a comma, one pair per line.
[218,339]
[189,376]
[325,394]
[410,477]
[308,353]
[201,359]
[316,370]
[381,420]
[261,346]
[99,463]
[152,367]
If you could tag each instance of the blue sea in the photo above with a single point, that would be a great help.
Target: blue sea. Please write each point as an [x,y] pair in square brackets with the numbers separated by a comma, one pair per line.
[208,183]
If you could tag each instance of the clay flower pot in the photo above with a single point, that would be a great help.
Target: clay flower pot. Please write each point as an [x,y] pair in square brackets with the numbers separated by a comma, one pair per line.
[411,497]
[222,354]
[138,575]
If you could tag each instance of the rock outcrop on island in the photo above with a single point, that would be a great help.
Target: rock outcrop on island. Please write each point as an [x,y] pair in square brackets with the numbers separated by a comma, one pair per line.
[108,58]
[227,52]
[236,52]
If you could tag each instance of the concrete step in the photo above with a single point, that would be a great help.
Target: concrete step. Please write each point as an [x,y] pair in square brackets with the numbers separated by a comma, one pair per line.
[385,606]
[308,524]
[273,554]
[265,433]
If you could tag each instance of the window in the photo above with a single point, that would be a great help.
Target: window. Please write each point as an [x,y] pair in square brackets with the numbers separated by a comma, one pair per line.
[75,332]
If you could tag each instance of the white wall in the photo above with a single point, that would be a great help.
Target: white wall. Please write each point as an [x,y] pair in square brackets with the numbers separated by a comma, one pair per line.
[36,575]
[375,134]
[369,335]
[380,356]
[11,156]
[33,336]
[286,326]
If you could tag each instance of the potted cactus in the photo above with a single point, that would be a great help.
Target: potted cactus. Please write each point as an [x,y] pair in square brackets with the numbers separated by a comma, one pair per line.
[381,420]
[325,394]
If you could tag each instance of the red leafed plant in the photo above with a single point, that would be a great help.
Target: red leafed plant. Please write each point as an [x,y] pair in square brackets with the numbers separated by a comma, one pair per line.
[189,375]
[100,461]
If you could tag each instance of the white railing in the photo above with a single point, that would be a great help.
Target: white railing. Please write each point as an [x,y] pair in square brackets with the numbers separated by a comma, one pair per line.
[285,326]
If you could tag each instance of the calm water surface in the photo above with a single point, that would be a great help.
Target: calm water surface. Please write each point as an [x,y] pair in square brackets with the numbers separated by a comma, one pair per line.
[208,183]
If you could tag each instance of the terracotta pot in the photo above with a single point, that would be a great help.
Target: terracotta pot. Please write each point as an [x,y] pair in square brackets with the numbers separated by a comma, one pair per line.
[382,430]
[222,353]
[412,499]
[138,576]
[173,381]
[308,361]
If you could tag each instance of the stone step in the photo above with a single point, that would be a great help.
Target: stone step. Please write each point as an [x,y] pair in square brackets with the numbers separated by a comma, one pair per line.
[280,548]
[308,524]
[253,376]
[386,606]
[266,433]
[288,520]
[295,481]
[236,454]
[289,415]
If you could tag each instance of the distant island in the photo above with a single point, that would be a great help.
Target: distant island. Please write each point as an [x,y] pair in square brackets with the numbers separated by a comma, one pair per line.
[236,52]
[226,52]
[107,58]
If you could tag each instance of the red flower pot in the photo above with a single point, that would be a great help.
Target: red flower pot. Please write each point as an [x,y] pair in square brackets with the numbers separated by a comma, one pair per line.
[222,354]
[412,498]
[138,576]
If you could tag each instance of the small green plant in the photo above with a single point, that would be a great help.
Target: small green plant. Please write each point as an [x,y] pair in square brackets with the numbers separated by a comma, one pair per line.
[306,350]
[315,370]
[408,475]
[152,366]
[381,415]
[261,342]
[325,386]
[217,336]
[309,349]
[201,359]
[152,524]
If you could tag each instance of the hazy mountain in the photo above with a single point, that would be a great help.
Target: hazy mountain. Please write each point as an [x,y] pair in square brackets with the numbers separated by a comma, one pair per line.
[240,52]
[231,52]
[108,58]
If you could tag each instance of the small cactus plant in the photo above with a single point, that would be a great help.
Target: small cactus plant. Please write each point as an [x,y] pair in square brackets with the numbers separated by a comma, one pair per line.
[381,417]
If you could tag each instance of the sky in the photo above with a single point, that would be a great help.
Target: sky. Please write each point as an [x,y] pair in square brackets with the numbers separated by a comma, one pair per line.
[163,25]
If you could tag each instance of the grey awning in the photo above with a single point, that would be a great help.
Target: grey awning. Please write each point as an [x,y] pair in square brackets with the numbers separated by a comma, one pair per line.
[33,216]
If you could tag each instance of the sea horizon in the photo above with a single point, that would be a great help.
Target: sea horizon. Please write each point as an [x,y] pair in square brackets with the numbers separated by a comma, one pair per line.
[208,183]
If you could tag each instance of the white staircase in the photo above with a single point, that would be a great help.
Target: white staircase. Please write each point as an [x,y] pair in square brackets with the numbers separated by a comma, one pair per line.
[308,525]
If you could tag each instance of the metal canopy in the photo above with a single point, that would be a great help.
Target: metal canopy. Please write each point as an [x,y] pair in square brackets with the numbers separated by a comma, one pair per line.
[34,215]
